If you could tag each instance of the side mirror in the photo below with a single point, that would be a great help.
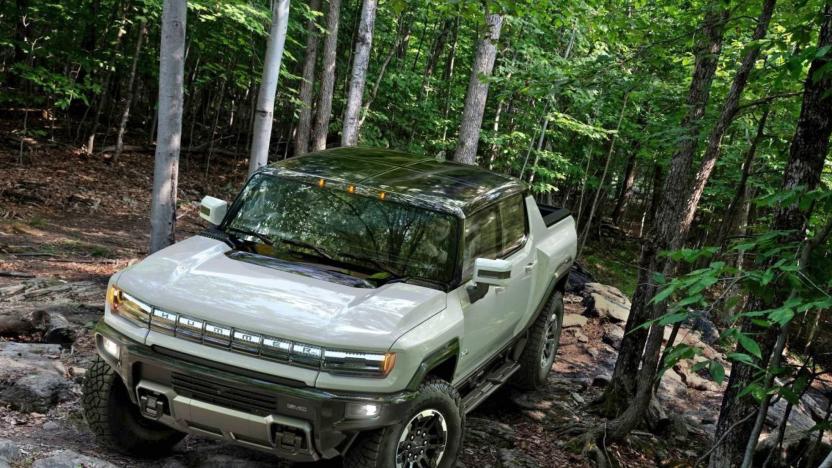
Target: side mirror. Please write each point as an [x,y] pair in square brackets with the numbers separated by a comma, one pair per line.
[487,273]
[492,272]
[213,210]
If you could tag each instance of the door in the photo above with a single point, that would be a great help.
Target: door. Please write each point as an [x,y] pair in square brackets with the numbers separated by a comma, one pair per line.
[498,231]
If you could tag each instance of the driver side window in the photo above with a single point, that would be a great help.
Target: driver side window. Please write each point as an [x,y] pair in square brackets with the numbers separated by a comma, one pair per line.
[494,232]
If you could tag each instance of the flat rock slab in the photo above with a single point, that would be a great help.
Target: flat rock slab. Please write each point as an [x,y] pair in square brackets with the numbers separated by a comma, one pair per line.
[606,301]
[574,320]
[70,459]
[9,452]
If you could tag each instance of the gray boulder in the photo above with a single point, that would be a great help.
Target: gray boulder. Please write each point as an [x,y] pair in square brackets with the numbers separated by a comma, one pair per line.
[37,392]
[70,459]
[512,458]
[606,302]
[9,452]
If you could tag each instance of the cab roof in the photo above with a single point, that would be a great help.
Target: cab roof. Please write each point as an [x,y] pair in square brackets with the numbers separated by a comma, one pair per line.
[450,187]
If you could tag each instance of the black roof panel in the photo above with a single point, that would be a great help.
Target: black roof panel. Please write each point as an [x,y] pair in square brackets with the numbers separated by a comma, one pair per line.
[441,185]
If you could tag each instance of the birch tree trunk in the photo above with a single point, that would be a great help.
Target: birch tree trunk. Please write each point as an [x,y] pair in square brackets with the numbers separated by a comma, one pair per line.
[808,151]
[128,101]
[169,134]
[475,97]
[361,60]
[323,111]
[264,114]
[307,82]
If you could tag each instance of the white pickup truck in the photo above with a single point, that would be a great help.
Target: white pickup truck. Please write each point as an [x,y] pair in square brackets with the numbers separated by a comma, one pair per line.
[351,302]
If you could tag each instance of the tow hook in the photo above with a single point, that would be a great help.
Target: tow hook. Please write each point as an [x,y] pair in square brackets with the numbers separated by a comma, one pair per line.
[152,405]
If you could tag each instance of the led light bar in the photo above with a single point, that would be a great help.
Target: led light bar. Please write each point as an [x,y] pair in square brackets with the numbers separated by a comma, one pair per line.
[247,342]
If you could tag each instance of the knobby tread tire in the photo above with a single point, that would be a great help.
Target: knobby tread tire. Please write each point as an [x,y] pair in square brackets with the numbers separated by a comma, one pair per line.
[377,449]
[115,420]
[528,377]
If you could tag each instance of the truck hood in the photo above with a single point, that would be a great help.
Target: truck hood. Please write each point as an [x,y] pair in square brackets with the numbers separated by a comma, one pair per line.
[195,277]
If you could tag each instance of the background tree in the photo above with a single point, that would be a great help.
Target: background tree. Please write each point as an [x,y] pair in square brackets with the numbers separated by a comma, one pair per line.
[166,167]
[262,133]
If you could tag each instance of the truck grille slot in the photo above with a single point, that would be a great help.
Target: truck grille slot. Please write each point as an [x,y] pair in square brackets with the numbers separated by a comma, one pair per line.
[246,400]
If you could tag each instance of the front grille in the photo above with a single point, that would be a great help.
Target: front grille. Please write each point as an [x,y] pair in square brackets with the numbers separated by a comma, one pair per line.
[210,391]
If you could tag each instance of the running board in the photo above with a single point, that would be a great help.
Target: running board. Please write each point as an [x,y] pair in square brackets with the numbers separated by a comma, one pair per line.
[489,385]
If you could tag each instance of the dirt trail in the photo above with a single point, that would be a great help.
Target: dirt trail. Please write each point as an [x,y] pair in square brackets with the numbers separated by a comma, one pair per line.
[68,222]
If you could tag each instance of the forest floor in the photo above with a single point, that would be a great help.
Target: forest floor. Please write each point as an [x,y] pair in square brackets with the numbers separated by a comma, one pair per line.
[68,221]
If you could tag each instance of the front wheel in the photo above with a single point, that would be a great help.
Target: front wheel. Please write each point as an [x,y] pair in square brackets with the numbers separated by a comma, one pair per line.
[429,434]
[116,422]
[542,347]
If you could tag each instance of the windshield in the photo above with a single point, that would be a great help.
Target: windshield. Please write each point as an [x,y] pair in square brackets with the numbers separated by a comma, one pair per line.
[383,240]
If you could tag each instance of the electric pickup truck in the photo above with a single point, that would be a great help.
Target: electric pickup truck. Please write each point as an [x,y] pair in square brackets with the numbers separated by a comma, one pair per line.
[352,303]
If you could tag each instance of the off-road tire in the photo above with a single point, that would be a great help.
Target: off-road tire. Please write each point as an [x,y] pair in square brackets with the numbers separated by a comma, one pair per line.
[532,375]
[377,449]
[116,422]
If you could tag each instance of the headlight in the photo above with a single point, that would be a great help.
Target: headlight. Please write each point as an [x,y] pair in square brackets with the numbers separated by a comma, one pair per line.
[128,307]
[110,347]
[366,364]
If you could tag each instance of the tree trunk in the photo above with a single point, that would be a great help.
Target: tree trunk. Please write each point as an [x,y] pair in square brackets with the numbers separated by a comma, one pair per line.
[438,47]
[128,101]
[475,97]
[402,36]
[731,221]
[361,60]
[323,111]
[306,84]
[729,111]
[621,392]
[625,191]
[262,133]
[166,166]
[807,153]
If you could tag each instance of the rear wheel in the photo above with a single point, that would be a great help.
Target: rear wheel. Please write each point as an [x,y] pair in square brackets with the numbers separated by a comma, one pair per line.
[542,347]
[429,435]
[116,421]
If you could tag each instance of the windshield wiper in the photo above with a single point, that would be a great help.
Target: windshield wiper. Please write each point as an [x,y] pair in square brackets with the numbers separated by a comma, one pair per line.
[264,238]
[297,243]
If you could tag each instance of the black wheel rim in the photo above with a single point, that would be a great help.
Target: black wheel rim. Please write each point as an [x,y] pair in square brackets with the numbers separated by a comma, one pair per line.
[423,440]
[550,344]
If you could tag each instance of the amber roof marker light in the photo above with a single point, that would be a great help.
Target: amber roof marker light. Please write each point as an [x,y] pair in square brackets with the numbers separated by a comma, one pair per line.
[321,183]
[351,189]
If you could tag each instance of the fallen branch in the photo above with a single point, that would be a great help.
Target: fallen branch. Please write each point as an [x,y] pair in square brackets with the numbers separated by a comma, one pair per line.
[15,274]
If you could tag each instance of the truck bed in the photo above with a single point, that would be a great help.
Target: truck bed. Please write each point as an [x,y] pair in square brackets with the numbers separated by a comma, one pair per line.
[552,214]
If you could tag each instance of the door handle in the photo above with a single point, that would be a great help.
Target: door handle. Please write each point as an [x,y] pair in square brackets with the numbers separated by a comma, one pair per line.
[530,266]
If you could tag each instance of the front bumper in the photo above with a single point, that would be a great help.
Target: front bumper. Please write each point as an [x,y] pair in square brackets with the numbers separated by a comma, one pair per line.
[278,415]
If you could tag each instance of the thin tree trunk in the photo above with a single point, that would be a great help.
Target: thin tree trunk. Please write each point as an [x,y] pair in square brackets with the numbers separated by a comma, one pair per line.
[361,60]
[807,154]
[633,357]
[323,112]
[125,115]
[603,174]
[729,224]
[402,36]
[306,84]
[625,192]
[448,76]
[475,97]
[263,120]
[166,166]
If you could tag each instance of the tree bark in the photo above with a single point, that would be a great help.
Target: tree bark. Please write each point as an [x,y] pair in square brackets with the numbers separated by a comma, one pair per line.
[729,111]
[307,82]
[732,220]
[625,192]
[262,133]
[809,147]
[402,37]
[361,60]
[169,134]
[323,111]
[128,101]
[475,97]
[622,391]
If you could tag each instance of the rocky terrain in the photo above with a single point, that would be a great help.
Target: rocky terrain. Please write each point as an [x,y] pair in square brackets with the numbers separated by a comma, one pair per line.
[62,235]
